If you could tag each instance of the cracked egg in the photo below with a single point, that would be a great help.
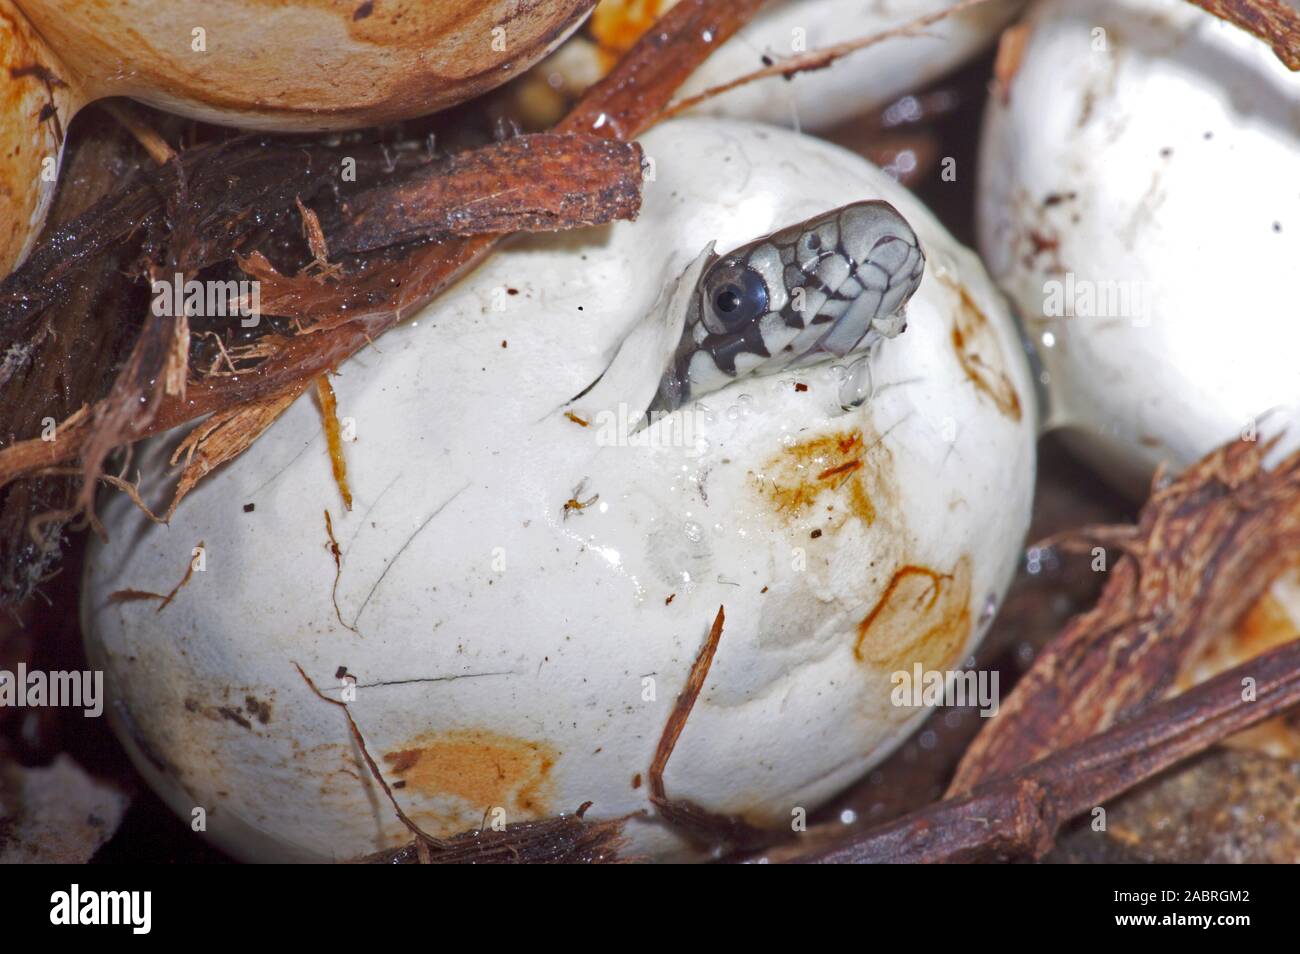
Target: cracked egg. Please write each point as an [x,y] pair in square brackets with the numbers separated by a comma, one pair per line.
[530,568]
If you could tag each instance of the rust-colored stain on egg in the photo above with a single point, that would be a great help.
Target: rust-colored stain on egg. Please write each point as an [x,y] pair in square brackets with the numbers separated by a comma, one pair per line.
[842,472]
[923,616]
[481,769]
[980,356]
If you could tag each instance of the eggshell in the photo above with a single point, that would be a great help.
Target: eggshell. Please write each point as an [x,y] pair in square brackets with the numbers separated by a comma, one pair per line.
[864,80]
[521,596]
[1143,147]
[258,64]
[34,110]
[300,64]
[816,99]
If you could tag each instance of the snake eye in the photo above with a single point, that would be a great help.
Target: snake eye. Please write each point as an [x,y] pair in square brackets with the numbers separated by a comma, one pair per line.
[734,296]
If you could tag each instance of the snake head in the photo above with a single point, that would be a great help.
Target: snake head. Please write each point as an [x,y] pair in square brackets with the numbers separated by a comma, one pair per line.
[823,288]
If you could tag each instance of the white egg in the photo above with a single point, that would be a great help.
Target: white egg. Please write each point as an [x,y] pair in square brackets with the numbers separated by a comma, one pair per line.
[521,597]
[857,83]
[1138,173]
[816,99]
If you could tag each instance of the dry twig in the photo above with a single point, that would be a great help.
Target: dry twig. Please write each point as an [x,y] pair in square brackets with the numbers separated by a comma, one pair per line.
[1018,817]
[1206,547]
[707,827]
[822,57]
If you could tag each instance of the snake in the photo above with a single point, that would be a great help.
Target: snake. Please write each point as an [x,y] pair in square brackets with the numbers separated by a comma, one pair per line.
[824,288]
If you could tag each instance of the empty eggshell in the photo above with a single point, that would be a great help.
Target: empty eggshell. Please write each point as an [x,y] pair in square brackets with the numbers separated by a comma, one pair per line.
[522,591]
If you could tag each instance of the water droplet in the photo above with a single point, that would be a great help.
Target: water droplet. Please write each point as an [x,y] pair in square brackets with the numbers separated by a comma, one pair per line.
[856,385]
[990,607]
[694,532]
